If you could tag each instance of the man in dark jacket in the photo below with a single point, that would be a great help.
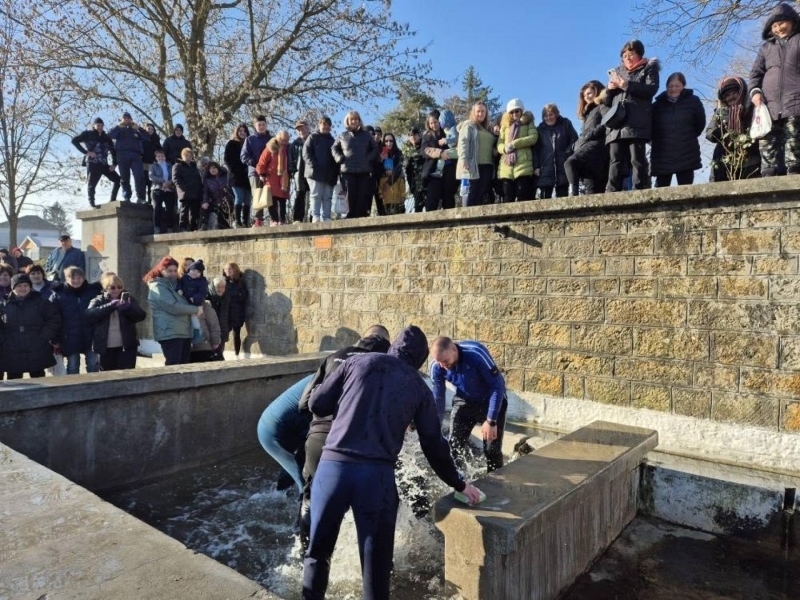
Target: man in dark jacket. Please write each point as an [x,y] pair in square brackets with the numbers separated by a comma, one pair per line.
[297,170]
[189,186]
[375,339]
[251,151]
[174,144]
[73,298]
[775,80]
[374,398]
[129,146]
[96,147]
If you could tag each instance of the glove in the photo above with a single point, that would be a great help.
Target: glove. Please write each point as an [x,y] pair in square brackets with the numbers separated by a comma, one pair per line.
[509,148]
[115,303]
[122,306]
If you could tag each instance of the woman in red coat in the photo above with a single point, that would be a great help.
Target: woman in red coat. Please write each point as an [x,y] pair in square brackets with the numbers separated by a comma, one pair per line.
[273,168]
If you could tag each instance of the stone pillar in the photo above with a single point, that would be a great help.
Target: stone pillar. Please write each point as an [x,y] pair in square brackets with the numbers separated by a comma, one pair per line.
[111,239]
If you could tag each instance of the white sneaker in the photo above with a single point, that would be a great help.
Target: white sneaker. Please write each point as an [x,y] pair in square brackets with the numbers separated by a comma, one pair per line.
[246,355]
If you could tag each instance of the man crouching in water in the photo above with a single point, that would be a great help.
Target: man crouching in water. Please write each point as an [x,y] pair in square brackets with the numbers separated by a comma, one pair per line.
[374,397]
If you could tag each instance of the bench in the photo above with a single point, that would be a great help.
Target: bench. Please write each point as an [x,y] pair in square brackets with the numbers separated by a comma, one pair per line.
[546,516]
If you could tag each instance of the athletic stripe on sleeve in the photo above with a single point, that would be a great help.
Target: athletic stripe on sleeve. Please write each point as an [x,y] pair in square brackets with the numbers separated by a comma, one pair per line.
[479,351]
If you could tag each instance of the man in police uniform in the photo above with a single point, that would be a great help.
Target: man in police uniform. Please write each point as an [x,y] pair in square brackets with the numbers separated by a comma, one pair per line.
[480,396]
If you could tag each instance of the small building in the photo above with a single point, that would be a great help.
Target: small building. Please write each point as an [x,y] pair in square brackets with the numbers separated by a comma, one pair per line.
[29,226]
[39,248]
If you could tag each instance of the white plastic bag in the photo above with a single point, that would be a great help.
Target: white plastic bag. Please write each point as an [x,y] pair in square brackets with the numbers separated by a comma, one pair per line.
[762,122]
[340,204]
[59,368]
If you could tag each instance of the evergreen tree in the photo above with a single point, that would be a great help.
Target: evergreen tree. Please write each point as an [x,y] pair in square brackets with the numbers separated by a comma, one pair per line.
[413,106]
[57,215]
[474,91]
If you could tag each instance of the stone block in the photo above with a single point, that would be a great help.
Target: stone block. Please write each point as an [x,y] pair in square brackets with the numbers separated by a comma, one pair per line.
[570,247]
[552,267]
[716,377]
[468,234]
[462,285]
[588,266]
[790,239]
[585,364]
[667,265]
[518,267]
[585,228]
[719,265]
[371,269]
[743,287]
[539,382]
[634,245]
[515,379]
[485,267]
[536,286]
[691,403]
[745,409]
[527,357]
[646,312]
[572,309]
[749,241]
[426,285]
[466,329]
[791,416]
[426,269]
[655,371]
[416,236]
[620,265]
[652,397]
[604,339]
[741,348]
[650,224]
[546,229]
[498,285]
[765,218]
[548,335]
[713,220]
[681,242]
[508,332]
[684,344]
[573,386]
[785,288]
[691,287]
[771,382]
[713,314]
[608,391]
[790,353]
[638,286]
[505,249]
[613,226]
[568,286]
[605,286]
[515,307]
[775,265]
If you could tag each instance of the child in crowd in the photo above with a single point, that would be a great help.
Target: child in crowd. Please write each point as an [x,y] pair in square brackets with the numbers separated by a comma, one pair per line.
[194,287]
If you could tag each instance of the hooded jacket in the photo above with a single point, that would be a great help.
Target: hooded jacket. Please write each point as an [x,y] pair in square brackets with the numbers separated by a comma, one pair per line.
[676,128]
[776,71]
[215,189]
[99,143]
[318,160]
[173,146]
[128,139]
[77,332]
[28,325]
[355,152]
[523,144]
[643,84]
[467,150]
[552,151]
[372,343]
[373,398]
[99,313]
[236,168]
[171,312]
[726,124]
[188,181]
[222,306]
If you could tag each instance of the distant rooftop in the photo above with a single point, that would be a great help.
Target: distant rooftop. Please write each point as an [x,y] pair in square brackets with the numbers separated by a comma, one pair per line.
[31,222]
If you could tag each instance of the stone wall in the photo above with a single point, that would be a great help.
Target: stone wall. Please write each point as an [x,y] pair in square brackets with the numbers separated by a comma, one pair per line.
[680,300]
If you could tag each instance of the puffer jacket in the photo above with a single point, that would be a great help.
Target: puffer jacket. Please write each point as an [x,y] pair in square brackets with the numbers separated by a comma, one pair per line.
[552,151]
[318,159]
[173,146]
[171,312]
[523,144]
[676,128]
[209,323]
[776,71]
[268,166]
[355,152]
[188,182]
[128,139]
[222,306]
[592,139]
[237,170]
[28,325]
[467,150]
[643,84]
[215,189]
[236,291]
[77,331]
[432,151]
[99,313]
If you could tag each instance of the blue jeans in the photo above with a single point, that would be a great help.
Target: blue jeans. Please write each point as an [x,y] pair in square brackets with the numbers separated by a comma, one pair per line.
[131,163]
[74,363]
[282,431]
[242,196]
[369,489]
[321,196]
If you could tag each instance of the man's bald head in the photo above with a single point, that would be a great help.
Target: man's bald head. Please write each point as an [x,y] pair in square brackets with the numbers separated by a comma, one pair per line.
[444,352]
[378,330]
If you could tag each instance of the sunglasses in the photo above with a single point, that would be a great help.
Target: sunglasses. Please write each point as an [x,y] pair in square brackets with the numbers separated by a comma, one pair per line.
[516,111]
[114,287]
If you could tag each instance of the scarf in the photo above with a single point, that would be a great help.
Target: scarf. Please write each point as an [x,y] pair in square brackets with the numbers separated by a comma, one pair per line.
[734,123]
[640,63]
[510,158]
[282,172]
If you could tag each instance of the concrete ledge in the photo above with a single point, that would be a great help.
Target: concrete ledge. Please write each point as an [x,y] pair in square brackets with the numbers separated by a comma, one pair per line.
[547,515]
[60,541]
[109,430]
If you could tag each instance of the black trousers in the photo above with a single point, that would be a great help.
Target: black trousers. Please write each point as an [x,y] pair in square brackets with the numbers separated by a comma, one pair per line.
[164,210]
[190,214]
[115,359]
[521,188]
[683,178]
[547,191]
[442,190]
[464,416]
[97,170]
[277,212]
[300,210]
[359,194]
[620,152]
[479,187]
[176,351]
[313,452]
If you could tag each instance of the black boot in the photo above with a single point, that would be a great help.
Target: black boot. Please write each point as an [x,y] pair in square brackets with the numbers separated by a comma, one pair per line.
[237,212]
[573,190]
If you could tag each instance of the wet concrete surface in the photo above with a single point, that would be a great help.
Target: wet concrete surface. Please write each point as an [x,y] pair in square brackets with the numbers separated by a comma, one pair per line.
[653,560]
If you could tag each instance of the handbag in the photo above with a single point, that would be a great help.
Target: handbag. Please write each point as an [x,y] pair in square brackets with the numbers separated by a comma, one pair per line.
[263,197]
[762,122]
[614,117]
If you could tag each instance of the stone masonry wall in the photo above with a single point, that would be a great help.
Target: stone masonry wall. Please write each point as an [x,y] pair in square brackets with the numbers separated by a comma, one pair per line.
[682,300]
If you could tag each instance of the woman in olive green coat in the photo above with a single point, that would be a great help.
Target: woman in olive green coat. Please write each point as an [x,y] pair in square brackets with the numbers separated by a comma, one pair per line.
[518,135]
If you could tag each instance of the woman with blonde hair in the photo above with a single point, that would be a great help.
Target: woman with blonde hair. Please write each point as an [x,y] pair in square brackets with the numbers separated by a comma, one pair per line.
[476,153]
[518,135]
[114,314]
[355,151]
[273,169]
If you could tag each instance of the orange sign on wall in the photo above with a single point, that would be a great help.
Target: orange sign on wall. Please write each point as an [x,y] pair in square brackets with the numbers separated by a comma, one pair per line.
[99,241]
[324,242]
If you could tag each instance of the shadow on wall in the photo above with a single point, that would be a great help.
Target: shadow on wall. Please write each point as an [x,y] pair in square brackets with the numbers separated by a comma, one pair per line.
[273,332]
[344,337]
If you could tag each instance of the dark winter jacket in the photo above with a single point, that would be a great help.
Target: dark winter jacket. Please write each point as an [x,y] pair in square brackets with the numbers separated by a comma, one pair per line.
[188,182]
[252,149]
[643,85]
[726,126]
[414,165]
[151,143]
[60,260]
[23,262]
[372,343]
[194,290]
[128,139]
[215,189]
[591,142]
[237,294]
[296,160]
[676,127]
[222,306]
[355,152]
[373,398]
[99,143]
[431,150]
[77,331]
[319,162]
[28,325]
[99,313]
[237,170]
[776,71]
[173,146]
[551,152]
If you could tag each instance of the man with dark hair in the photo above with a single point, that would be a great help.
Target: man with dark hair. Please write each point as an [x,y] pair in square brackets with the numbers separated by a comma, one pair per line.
[251,151]
[480,396]
[129,145]
[297,168]
[96,147]
[375,398]
[174,144]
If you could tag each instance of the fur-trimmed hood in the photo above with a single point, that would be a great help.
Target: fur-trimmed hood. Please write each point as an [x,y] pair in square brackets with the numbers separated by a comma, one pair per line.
[526,118]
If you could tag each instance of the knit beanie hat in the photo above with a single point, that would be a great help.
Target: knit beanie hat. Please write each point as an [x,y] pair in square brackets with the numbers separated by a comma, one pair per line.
[198,264]
[515,104]
[20,278]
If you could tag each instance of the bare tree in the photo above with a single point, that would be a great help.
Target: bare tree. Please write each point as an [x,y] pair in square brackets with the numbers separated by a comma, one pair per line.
[698,30]
[30,108]
[206,62]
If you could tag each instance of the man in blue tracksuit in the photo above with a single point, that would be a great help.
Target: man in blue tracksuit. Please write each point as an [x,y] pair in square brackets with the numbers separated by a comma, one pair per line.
[373,397]
[129,147]
[480,396]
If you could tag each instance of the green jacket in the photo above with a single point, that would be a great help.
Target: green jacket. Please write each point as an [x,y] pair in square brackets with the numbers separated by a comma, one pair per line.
[526,139]
[172,313]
